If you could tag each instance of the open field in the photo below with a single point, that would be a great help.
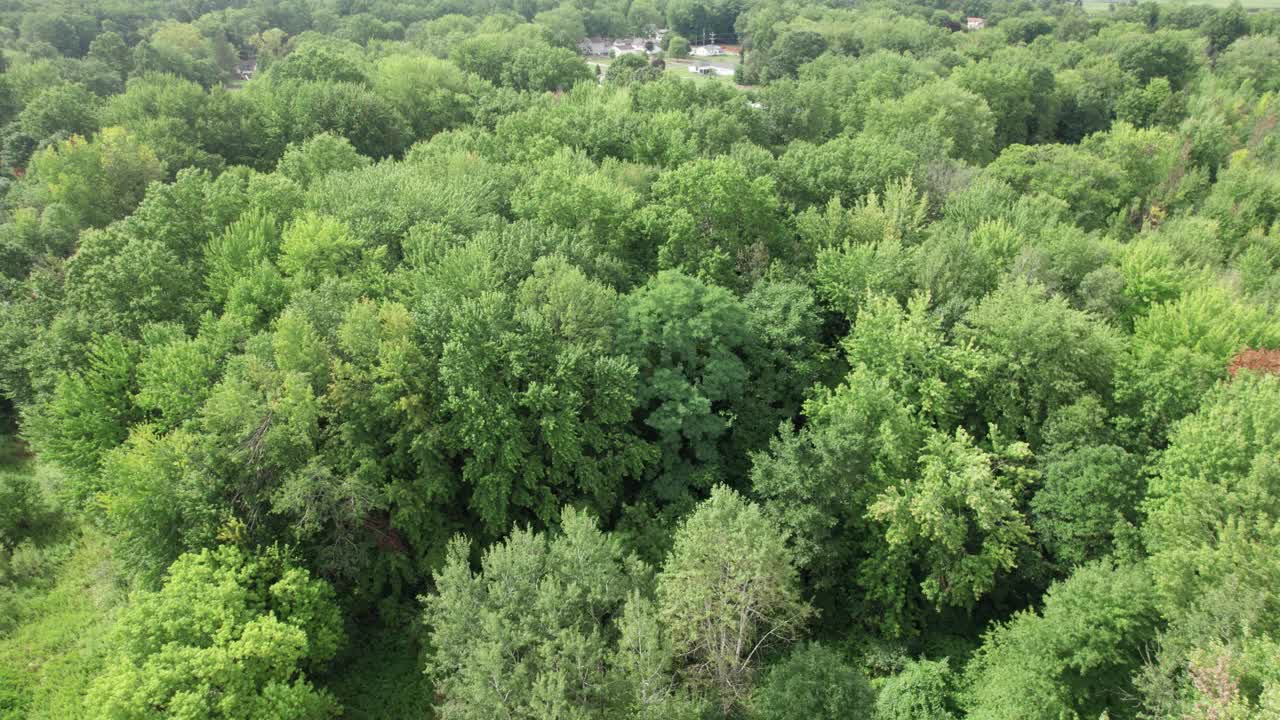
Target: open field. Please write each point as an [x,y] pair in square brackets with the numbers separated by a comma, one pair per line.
[679,68]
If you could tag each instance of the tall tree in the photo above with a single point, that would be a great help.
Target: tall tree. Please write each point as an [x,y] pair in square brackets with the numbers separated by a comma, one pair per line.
[728,594]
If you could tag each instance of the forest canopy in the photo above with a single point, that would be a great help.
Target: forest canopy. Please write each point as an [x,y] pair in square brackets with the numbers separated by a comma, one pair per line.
[473,359]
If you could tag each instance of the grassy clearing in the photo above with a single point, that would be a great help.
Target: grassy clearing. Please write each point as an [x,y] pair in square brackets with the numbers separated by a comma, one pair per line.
[677,68]
[49,660]
[57,599]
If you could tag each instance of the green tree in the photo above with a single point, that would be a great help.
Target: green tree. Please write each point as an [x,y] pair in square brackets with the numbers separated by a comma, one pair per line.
[866,249]
[1243,200]
[864,442]
[1091,486]
[531,631]
[1154,104]
[791,50]
[960,518]
[689,342]
[228,636]
[315,249]
[728,593]
[295,111]
[110,48]
[921,689]
[88,413]
[714,221]
[1044,355]
[1094,188]
[60,111]
[678,46]
[812,683]
[567,190]
[251,240]
[1221,462]
[1225,26]
[848,168]
[433,95]
[563,25]
[1018,88]
[187,126]
[157,504]
[317,156]
[544,69]
[906,347]
[183,50]
[644,18]
[1075,658]
[938,116]
[819,482]
[100,180]
[60,30]
[1160,54]
[632,69]
[1250,58]
[791,110]
[321,61]
[1180,350]
[533,398]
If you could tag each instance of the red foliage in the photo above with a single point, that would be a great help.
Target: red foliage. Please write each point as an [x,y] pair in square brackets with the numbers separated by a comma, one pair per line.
[1263,361]
[387,537]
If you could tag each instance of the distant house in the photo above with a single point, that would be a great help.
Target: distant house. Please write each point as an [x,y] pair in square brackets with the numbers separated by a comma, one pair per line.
[974,23]
[594,46]
[611,47]
[707,51]
[633,46]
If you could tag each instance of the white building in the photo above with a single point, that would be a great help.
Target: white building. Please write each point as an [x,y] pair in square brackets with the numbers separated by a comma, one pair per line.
[633,46]
[706,51]
[711,70]
[595,46]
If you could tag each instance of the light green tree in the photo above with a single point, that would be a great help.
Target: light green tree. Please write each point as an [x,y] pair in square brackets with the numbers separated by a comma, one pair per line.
[1212,508]
[960,517]
[727,594]
[229,635]
[100,180]
[530,633]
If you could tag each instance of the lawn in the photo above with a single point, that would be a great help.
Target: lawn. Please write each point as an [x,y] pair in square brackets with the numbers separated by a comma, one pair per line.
[678,68]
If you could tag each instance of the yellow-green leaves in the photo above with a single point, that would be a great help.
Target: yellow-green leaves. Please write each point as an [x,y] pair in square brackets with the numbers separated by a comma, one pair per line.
[228,636]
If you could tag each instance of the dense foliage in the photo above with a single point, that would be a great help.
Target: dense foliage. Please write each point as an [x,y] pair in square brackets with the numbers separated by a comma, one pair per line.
[388,359]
